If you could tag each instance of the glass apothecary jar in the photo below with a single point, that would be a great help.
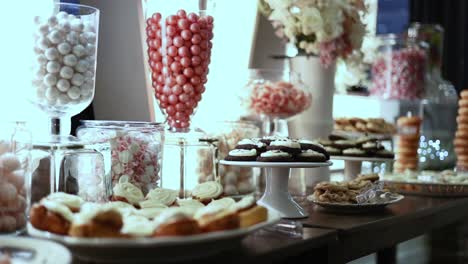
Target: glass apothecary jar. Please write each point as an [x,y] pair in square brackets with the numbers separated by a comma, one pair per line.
[131,149]
[15,146]
[399,71]
[236,181]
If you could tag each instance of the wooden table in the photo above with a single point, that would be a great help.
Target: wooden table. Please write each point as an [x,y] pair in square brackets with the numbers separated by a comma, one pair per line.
[363,234]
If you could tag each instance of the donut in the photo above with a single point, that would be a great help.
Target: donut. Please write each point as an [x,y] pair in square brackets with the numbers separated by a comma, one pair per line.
[461,119]
[461,134]
[461,151]
[464,94]
[459,142]
[409,121]
[463,102]
[462,158]
[463,111]
[407,151]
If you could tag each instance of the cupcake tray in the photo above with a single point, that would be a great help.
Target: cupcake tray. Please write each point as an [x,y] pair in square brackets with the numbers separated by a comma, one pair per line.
[429,189]
[152,250]
[353,164]
[277,196]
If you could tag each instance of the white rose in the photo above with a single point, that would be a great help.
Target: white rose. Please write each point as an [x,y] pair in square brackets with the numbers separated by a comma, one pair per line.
[311,20]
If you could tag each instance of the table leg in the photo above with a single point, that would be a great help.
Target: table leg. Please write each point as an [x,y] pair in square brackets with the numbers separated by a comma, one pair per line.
[387,255]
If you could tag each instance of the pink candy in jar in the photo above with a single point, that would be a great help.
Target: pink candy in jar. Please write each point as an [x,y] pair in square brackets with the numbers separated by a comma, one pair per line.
[399,73]
[179,51]
[13,200]
[279,99]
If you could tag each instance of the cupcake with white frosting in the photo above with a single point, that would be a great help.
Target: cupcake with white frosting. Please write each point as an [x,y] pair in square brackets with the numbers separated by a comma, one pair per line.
[275,156]
[242,155]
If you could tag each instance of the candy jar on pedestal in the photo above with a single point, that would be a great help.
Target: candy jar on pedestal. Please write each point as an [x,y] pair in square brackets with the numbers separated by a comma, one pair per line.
[64,67]
[275,95]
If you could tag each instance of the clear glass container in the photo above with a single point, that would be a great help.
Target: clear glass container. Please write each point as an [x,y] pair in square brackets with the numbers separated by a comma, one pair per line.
[179,37]
[399,70]
[64,66]
[236,181]
[275,95]
[132,149]
[15,162]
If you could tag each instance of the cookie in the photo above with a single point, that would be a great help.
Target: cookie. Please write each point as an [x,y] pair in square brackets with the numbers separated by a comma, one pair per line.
[325,142]
[242,155]
[371,147]
[289,146]
[251,144]
[310,156]
[383,153]
[333,151]
[354,152]
[275,156]
[344,144]
[333,137]
[331,186]
[308,144]
[368,177]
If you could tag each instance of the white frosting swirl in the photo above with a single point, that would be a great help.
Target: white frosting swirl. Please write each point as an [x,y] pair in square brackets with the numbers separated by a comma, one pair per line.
[128,191]
[59,209]
[90,210]
[162,196]
[244,203]
[69,200]
[207,190]
[152,204]
[285,143]
[243,152]
[190,203]
[275,153]
[137,226]
[225,202]
[310,153]
[209,210]
[171,215]
[149,213]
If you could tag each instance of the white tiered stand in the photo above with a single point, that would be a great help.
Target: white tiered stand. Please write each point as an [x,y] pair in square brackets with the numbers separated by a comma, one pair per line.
[277,196]
[353,164]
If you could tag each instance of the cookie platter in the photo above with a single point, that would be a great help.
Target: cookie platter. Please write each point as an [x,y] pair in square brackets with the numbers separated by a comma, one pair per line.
[429,188]
[149,250]
[355,208]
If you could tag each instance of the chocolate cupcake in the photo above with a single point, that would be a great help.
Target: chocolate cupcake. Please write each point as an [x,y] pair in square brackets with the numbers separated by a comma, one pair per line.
[354,152]
[344,144]
[251,144]
[383,153]
[289,146]
[309,144]
[310,155]
[333,151]
[275,156]
[242,155]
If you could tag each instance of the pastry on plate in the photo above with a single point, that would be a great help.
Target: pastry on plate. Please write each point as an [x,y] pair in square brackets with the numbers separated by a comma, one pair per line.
[175,222]
[73,202]
[242,155]
[163,196]
[51,216]
[97,220]
[126,192]
[216,218]
[225,202]
[137,226]
[249,213]
[207,191]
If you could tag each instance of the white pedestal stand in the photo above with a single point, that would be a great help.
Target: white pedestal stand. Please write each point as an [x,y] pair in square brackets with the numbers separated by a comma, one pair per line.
[277,196]
[353,164]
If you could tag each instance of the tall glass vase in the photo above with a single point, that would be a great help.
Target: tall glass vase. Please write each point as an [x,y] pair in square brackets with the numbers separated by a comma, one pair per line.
[317,121]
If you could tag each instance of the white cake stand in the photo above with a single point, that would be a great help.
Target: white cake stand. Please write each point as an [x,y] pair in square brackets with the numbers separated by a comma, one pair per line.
[277,196]
[353,164]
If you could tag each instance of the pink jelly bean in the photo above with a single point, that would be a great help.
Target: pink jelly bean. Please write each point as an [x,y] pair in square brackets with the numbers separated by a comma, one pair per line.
[188,72]
[192,17]
[195,80]
[180,107]
[184,52]
[175,66]
[188,88]
[181,80]
[196,39]
[170,110]
[171,31]
[163,98]
[195,50]
[186,62]
[173,99]
[167,90]
[196,60]
[172,51]
[171,20]
[181,13]
[183,24]
[186,34]
[178,42]
[199,70]
[183,98]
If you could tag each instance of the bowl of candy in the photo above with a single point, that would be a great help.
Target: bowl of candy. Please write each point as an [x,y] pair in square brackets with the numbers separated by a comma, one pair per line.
[275,95]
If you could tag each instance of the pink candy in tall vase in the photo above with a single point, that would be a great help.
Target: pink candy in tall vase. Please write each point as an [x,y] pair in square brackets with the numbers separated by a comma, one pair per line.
[179,39]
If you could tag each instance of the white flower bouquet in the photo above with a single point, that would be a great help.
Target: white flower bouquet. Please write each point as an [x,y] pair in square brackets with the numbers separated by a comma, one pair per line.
[330,29]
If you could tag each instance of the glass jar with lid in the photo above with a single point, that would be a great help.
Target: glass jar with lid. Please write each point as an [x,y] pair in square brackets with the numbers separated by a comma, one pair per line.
[15,146]
[131,149]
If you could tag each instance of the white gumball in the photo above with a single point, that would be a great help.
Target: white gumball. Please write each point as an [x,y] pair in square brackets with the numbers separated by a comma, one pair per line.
[73,38]
[77,25]
[64,26]
[66,72]
[50,79]
[39,73]
[74,93]
[91,49]
[43,29]
[55,37]
[7,192]
[70,60]
[40,94]
[63,85]
[71,17]
[63,99]
[64,48]
[53,67]
[82,66]
[51,53]
[90,37]
[230,190]
[41,59]
[42,43]
[86,88]
[89,75]
[79,50]
[77,79]
[89,27]
[52,94]
[52,21]
[62,15]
